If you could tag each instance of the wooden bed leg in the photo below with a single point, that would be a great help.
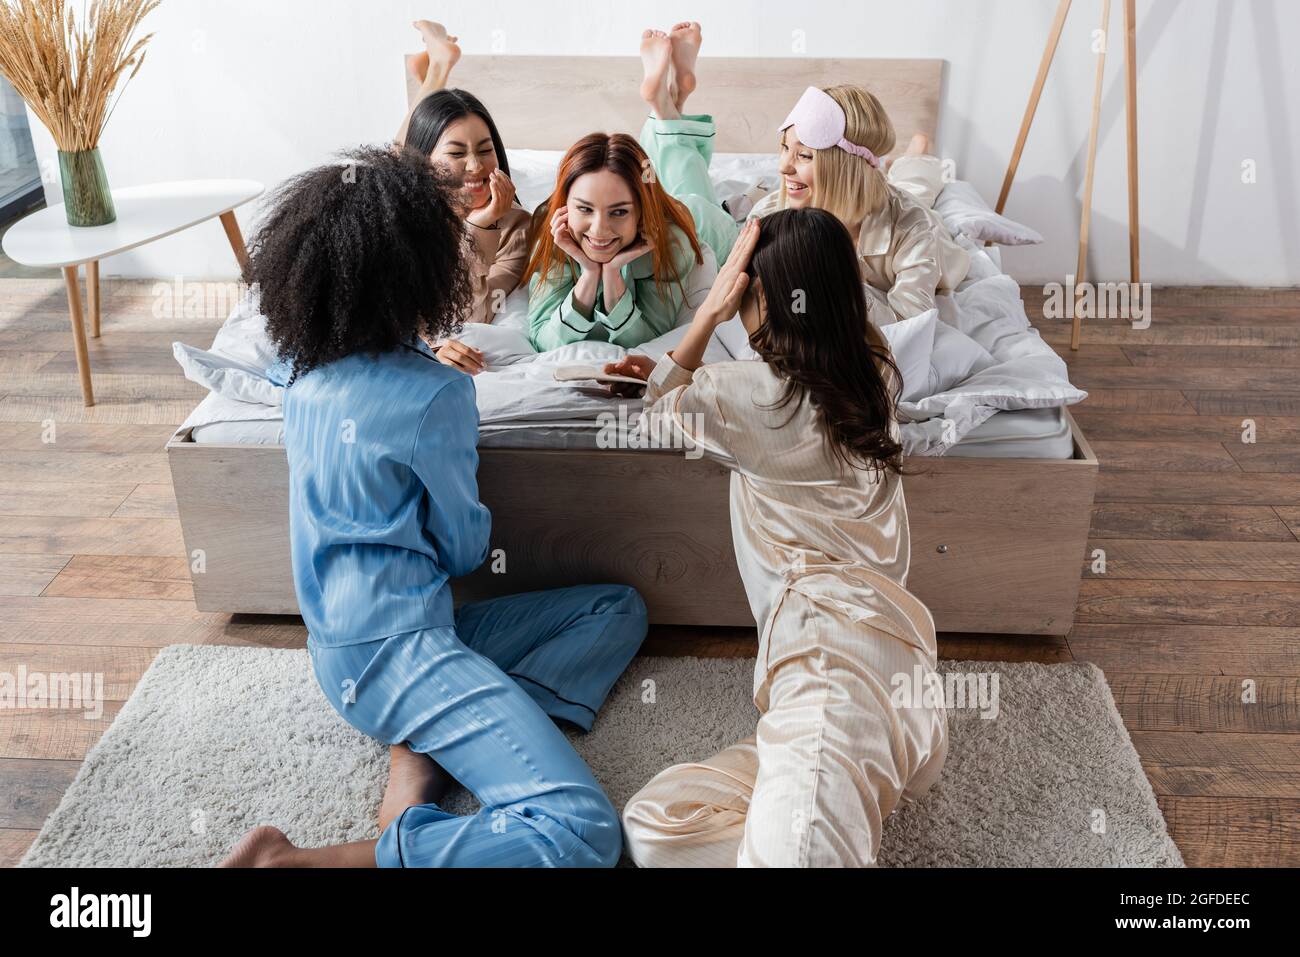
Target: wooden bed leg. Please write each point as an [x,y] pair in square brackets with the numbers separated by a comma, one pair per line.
[1130,110]
[1053,38]
[92,294]
[78,333]
[235,237]
[1086,218]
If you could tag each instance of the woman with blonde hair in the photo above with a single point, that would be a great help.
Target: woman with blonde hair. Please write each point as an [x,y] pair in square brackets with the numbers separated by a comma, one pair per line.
[831,148]
[832,145]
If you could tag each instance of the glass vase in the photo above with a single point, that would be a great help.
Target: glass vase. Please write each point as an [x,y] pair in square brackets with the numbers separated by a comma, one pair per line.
[86,197]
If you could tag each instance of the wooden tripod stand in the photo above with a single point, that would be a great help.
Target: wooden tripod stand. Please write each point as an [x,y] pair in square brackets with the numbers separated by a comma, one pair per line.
[1130,111]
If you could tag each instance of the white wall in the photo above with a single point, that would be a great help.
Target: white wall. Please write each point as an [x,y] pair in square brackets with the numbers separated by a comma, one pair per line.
[263,88]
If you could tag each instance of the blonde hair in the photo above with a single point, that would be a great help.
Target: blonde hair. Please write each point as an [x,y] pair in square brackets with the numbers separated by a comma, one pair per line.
[845,185]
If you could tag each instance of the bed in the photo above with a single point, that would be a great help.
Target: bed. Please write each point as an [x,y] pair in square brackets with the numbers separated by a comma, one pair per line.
[999,520]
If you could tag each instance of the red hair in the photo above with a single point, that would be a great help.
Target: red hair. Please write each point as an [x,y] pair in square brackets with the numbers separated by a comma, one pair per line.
[622,155]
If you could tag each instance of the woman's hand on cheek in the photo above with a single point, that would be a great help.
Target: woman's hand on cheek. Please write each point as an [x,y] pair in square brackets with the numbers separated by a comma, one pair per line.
[563,238]
[631,254]
[503,195]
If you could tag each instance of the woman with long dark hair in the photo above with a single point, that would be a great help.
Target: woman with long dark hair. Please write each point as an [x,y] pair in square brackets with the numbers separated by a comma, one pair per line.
[456,131]
[821,536]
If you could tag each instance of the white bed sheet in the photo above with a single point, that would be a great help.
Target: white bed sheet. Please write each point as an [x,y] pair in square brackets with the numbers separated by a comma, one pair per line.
[1026,433]
[984,356]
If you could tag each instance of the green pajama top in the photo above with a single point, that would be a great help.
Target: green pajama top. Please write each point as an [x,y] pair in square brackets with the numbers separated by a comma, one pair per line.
[647,309]
[680,152]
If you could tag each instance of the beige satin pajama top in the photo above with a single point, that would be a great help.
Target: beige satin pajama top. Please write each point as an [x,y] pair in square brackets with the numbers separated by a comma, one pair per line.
[801,520]
[498,257]
[905,250]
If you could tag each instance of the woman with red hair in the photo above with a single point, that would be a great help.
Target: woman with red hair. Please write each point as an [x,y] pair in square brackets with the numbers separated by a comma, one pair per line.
[613,263]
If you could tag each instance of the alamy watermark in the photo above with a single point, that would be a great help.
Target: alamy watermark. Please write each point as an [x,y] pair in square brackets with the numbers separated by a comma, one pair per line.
[180,299]
[650,430]
[976,691]
[1107,300]
[76,691]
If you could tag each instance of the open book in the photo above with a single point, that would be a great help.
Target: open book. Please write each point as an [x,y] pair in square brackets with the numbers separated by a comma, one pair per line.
[575,373]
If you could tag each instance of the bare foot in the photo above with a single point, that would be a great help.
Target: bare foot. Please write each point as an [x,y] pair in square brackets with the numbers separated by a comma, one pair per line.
[439,56]
[413,778]
[919,145]
[263,846]
[685,38]
[656,57]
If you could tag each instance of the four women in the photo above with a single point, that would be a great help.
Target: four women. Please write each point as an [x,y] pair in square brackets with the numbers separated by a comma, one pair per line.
[381,431]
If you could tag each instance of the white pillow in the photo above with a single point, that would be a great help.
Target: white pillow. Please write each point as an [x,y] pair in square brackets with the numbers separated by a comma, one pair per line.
[227,377]
[964,212]
[954,358]
[733,337]
[533,173]
[501,344]
[911,342]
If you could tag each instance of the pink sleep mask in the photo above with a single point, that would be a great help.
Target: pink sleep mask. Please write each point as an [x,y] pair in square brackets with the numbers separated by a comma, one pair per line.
[819,122]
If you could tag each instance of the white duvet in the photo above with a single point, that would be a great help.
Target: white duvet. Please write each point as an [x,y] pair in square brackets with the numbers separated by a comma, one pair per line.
[973,356]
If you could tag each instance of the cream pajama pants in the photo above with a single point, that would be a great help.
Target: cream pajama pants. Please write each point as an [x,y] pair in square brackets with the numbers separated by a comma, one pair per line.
[832,756]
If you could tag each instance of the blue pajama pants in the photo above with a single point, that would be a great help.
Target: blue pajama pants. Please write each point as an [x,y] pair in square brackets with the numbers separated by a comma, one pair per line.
[476,698]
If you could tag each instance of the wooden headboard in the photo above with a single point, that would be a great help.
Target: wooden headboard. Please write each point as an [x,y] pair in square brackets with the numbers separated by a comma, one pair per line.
[548,102]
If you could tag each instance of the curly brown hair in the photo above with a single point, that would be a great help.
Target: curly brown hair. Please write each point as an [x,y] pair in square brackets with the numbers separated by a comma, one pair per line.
[359,256]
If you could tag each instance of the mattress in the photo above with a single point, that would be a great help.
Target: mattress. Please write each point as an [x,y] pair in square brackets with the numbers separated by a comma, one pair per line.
[1022,434]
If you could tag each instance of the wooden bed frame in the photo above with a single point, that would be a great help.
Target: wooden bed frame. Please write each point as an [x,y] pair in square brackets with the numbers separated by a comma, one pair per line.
[997,544]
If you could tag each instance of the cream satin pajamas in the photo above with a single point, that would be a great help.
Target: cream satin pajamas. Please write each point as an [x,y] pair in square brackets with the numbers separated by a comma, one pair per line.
[904,251]
[823,552]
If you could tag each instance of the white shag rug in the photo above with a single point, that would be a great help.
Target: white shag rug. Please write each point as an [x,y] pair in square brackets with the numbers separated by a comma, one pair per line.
[218,739]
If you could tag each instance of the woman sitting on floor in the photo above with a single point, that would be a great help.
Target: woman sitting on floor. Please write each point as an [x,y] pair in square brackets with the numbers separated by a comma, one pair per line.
[355,272]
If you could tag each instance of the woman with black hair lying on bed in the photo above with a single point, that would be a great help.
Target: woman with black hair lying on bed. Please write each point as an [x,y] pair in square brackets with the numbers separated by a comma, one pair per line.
[356,272]
[821,536]
[458,134]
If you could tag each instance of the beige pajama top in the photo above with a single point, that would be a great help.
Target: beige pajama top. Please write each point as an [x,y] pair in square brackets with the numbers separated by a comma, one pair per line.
[498,257]
[904,250]
[802,521]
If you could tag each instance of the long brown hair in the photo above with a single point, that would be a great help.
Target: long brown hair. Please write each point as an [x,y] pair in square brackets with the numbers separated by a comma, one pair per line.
[817,334]
[657,211]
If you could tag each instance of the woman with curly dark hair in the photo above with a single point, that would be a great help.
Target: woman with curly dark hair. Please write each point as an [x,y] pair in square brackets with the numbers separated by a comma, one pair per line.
[359,264]
[821,536]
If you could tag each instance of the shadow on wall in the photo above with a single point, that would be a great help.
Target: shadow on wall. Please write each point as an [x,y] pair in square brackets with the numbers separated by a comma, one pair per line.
[1268,53]
[1057,201]
[1057,218]
[1268,56]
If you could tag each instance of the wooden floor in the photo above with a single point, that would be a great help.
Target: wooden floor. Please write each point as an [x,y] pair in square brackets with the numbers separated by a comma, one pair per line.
[1201,534]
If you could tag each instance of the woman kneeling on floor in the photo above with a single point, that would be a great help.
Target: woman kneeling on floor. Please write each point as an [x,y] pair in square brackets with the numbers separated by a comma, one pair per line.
[820,528]
[357,272]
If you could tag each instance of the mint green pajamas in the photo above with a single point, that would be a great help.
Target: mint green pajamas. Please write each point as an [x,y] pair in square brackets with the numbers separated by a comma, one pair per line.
[680,151]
